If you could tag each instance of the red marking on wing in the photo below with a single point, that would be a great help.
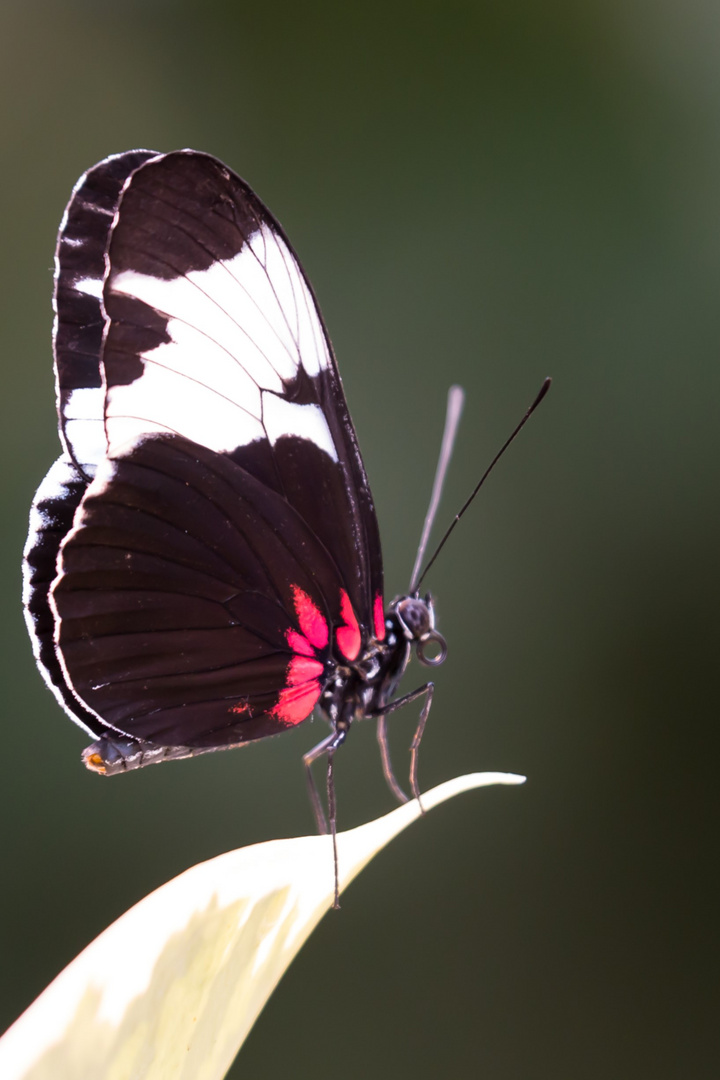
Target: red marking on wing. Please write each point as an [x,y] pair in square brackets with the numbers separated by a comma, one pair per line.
[379,618]
[299,644]
[297,702]
[241,709]
[348,637]
[302,669]
[312,622]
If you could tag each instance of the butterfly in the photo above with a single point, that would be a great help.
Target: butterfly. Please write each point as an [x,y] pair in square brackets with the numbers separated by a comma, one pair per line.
[203,567]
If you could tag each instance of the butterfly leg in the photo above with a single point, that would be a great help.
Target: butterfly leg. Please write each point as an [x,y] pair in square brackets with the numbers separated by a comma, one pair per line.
[415,744]
[428,690]
[387,768]
[328,746]
[332,813]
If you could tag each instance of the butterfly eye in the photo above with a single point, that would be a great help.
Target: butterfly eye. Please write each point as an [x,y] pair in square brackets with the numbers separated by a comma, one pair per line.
[432,638]
[416,617]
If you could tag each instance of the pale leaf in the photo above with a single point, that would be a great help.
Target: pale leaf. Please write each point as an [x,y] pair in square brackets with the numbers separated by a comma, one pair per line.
[170,990]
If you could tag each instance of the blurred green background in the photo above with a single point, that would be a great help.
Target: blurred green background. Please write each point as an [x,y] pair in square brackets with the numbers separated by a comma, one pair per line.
[483,193]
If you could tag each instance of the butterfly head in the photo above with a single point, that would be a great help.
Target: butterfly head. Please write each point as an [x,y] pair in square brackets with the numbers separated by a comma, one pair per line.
[417,619]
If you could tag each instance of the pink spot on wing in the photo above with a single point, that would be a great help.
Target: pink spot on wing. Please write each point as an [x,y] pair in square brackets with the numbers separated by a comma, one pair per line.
[379,618]
[303,686]
[348,636]
[312,622]
[297,702]
[302,669]
[299,644]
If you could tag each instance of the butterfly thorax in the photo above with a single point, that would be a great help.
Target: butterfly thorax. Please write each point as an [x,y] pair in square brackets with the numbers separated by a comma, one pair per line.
[362,689]
[354,691]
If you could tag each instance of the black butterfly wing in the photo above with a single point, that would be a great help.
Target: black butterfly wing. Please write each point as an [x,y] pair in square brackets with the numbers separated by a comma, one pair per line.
[221,403]
[214,333]
[191,600]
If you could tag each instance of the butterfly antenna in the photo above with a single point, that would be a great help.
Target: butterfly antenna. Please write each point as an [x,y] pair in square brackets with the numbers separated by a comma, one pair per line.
[455,401]
[543,391]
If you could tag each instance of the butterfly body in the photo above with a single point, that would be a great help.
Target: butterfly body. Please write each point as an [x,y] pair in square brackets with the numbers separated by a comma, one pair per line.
[350,692]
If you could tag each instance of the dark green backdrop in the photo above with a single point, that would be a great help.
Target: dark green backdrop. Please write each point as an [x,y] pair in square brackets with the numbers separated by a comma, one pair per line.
[483,193]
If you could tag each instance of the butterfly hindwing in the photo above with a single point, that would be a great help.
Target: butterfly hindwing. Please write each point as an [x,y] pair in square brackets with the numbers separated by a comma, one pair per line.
[179,596]
[51,518]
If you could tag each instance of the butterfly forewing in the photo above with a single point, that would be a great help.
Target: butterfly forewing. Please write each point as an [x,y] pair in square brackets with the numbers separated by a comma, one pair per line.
[215,334]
